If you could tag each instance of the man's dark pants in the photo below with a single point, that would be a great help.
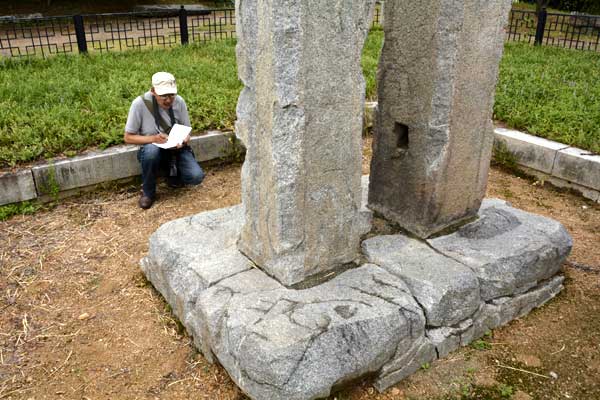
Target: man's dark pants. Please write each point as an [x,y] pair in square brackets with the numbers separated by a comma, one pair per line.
[152,159]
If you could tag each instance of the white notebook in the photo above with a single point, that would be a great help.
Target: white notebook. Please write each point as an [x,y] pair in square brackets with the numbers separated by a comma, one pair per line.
[176,136]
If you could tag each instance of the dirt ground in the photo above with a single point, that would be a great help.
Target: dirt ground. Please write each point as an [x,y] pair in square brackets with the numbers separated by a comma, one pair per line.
[78,320]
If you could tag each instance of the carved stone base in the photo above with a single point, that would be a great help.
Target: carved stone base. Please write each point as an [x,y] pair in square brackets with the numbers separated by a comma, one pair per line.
[412,302]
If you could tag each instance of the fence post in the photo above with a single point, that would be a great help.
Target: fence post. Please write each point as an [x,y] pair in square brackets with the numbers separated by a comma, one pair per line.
[80,33]
[183,25]
[541,26]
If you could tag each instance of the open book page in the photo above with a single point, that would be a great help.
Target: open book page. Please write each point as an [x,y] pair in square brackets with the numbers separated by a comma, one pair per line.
[176,136]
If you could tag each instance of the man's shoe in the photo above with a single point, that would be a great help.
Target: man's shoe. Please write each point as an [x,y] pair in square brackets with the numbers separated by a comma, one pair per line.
[145,202]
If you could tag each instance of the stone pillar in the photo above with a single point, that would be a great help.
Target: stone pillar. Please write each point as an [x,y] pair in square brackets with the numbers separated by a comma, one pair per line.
[300,116]
[433,132]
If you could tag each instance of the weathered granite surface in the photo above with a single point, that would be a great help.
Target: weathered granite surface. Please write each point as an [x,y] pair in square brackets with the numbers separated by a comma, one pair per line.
[300,115]
[188,255]
[384,320]
[447,291]
[433,131]
[298,344]
[492,315]
[509,250]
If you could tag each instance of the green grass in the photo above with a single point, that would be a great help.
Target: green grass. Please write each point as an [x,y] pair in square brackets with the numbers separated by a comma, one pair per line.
[65,104]
[547,91]
[370,59]
[552,93]
[22,208]
[69,103]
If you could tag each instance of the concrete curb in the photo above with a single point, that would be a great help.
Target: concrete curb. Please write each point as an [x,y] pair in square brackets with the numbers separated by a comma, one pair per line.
[93,168]
[559,164]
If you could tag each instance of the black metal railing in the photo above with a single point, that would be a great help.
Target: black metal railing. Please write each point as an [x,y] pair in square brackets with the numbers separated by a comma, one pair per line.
[377,16]
[573,31]
[48,36]
[112,32]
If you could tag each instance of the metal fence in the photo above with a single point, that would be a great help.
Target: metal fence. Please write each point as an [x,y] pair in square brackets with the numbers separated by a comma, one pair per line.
[136,30]
[20,37]
[573,31]
[112,32]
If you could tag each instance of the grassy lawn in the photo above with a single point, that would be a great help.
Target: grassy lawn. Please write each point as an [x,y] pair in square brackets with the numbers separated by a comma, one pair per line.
[552,93]
[65,104]
[68,103]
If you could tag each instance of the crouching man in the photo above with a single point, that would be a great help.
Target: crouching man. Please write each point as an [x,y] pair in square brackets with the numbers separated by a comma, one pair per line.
[150,119]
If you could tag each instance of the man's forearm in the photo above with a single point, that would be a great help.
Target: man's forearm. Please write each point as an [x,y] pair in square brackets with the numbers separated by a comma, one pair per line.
[132,138]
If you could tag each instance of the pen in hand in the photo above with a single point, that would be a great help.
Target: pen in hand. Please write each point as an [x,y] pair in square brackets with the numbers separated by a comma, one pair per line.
[160,138]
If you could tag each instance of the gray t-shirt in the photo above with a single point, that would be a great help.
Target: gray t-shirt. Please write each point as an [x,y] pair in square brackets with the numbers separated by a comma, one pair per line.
[141,121]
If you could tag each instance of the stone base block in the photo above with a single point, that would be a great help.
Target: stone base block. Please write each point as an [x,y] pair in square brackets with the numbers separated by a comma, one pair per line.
[411,303]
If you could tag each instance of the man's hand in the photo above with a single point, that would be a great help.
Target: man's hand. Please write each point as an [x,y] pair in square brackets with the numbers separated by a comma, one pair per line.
[185,142]
[160,138]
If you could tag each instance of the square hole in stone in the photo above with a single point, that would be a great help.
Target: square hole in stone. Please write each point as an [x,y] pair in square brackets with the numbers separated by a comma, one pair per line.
[401,132]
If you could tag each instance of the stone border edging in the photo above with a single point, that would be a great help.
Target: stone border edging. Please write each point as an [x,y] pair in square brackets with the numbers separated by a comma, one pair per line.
[559,164]
[115,163]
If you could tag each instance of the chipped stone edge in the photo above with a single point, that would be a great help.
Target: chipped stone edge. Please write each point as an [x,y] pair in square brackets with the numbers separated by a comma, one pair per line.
[80,173]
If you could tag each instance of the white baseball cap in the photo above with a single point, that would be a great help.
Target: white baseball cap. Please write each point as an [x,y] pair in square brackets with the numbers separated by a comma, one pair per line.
[164,83]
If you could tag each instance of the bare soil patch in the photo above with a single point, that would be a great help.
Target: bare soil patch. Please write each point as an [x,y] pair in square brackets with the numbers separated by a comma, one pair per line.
[78,320]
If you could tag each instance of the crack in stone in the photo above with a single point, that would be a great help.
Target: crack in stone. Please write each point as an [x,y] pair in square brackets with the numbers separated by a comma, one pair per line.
[420,305]
[225,277]
[447,255]
[382,283]
[260,310]
[258,382]
[370,294]
[272,307]
[220,289]
[472,269]
[411,330]
[310,341]
[220,323]
[408,293]
[539,286]
[317,302]
[263,337]
[401,309]
[207,225]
